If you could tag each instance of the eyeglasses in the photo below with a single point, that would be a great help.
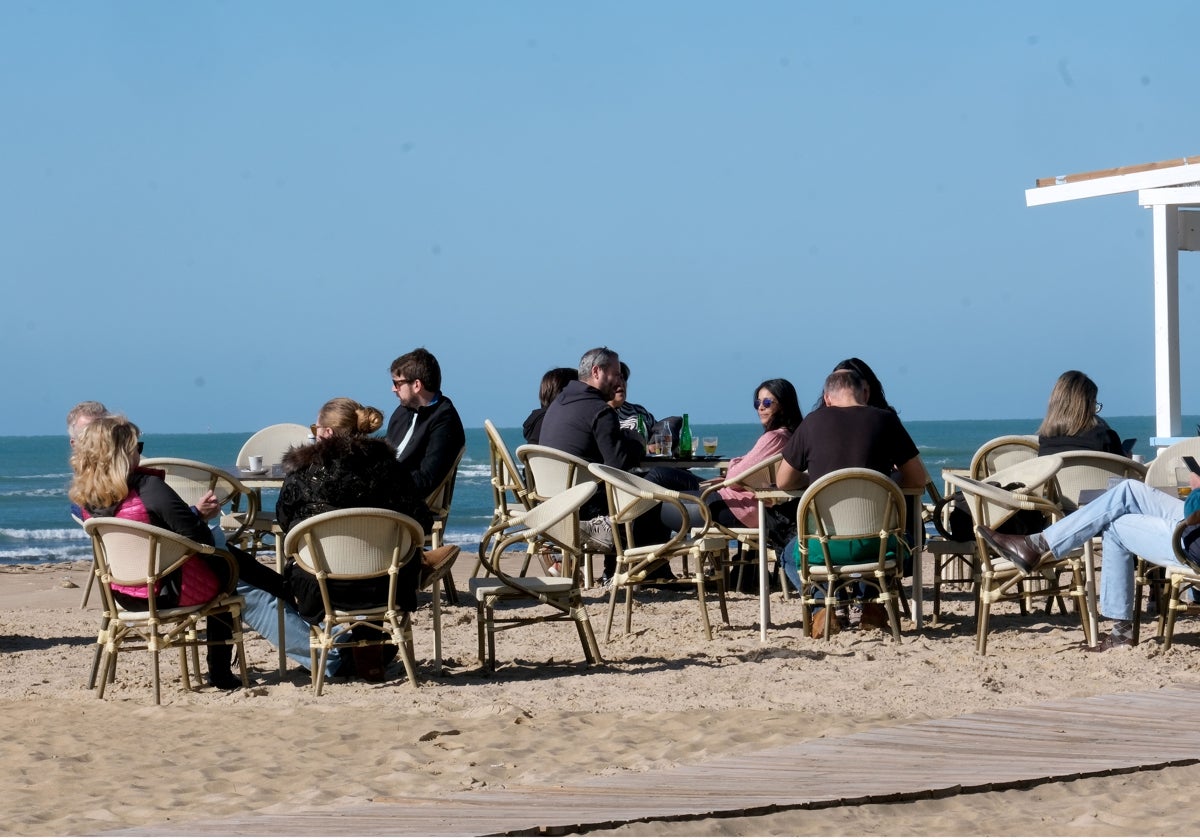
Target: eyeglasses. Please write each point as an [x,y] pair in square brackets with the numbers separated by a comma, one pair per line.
[1099,405]
[141,446]
[765,402]
[313,428]
[396,383]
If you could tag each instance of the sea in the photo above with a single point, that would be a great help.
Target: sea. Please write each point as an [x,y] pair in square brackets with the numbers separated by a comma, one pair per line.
[35,523]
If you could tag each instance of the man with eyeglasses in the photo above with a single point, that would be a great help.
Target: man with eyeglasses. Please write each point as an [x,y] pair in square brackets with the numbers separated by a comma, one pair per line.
[425,428]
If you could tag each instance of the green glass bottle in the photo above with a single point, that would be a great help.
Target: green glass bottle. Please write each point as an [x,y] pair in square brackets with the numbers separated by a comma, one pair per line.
[685,439]
[641,428]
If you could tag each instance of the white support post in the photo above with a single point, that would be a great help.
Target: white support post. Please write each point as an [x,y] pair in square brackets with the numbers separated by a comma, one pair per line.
[1168,420]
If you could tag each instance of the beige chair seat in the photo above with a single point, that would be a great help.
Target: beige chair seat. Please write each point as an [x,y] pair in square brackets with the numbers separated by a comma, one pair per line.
[492,587]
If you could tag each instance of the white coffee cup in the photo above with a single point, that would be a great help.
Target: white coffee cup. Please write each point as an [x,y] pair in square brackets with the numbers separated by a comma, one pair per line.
[256,462]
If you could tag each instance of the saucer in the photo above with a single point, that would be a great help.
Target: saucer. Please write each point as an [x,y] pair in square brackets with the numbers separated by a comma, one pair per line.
[248,471]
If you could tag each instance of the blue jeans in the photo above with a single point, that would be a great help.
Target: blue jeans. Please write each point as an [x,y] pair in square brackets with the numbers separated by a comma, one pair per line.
[1133,520]
[261,617]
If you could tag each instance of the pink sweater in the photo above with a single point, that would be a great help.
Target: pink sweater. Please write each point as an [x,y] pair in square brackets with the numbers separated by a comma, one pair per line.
[741,501]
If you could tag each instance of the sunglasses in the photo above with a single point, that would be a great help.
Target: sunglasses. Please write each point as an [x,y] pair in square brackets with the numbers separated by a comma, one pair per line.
[141,446]
[765,402]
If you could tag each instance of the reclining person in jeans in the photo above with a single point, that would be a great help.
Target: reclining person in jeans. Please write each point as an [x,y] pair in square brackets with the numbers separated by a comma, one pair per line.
[1133,520]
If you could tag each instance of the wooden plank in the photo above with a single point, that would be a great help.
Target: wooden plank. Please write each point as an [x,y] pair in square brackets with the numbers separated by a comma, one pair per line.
[980,751]
[1119,170]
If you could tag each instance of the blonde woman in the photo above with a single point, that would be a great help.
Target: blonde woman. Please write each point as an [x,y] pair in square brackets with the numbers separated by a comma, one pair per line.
[109,481]
[1071,420]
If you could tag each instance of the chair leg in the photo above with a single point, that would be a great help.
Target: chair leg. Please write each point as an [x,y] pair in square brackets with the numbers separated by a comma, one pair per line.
[318,652]
[236,617]
[981,631]
[491,636]
[583,624]
[402,637]
[703,605]
[91,581]
[612,610]
[480,629]
[451,591]
[1173,604]
[437,626]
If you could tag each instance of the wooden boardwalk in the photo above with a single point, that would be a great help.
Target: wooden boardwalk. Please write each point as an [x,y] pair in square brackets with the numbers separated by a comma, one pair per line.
[987,750]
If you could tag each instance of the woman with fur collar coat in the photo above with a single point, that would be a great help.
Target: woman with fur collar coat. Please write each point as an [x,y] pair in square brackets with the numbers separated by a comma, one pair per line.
[345,468]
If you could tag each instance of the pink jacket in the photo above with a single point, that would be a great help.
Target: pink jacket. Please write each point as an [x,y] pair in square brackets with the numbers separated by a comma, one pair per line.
[198,584]
[741,501]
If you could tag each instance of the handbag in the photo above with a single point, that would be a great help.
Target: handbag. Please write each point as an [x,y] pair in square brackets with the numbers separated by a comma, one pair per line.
[952,517]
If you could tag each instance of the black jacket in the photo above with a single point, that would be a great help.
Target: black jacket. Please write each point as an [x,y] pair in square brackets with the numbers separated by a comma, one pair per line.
[582,423]
[1099,438]
[435,443]
[346,471]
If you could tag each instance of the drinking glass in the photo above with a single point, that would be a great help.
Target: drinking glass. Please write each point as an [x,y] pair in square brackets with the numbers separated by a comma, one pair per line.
[1183,481]
[709,444]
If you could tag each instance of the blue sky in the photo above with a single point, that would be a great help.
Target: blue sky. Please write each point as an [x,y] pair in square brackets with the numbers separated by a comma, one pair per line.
[216,216]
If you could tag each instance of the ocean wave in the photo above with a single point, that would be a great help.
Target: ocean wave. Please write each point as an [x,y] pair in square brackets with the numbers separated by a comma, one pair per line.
[69,534]
[27,555]
[474,471]
[36,493]
[57,476]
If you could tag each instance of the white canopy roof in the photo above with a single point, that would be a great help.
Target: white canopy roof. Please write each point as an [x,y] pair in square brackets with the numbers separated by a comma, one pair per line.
[1171,189]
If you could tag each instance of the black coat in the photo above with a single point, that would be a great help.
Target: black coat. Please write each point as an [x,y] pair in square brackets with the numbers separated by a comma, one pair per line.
[436,440]
[344,472]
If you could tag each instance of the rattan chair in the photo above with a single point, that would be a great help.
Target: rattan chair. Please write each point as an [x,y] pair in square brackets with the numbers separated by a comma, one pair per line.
[548,472]
[1002,452]
[357,544]
[439,502]
[703,556]
[555,522]
[1087,470]
[510,496]
[953,560]
[135,554]
[271,443]
[760,475]
[850,531]
[1160,474]
[1184,577]
[191,480]
[997,578]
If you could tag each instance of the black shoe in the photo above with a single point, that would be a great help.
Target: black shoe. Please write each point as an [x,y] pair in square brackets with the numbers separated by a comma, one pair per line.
[1019,550]
[1110,643]
[225,681]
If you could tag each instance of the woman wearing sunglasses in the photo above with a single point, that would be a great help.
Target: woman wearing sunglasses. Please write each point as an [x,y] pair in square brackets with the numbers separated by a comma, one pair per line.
[778,410]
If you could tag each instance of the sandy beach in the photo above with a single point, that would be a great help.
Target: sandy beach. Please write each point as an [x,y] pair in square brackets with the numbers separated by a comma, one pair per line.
[665,696]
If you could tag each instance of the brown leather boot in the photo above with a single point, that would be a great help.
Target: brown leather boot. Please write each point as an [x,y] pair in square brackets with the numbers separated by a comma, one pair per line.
[435,562]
